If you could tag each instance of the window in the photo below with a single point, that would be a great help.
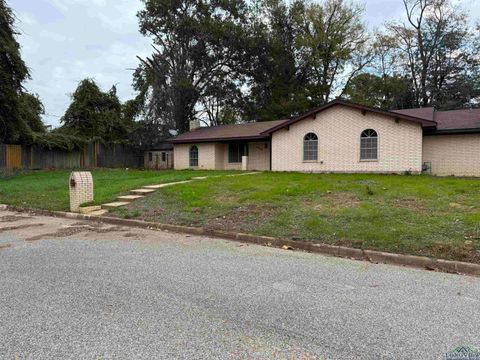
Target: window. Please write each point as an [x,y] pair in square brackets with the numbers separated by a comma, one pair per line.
[193,156]
[150,157]
[236,151]
[369,145]
[164,156]
[310,147]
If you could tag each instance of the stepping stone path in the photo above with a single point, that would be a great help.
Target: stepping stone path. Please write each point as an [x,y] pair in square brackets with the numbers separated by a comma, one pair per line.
[114,205]
[142,191]
[136,194]
[130,197]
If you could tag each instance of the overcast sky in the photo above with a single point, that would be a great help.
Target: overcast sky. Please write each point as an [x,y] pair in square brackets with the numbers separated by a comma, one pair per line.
[65,41]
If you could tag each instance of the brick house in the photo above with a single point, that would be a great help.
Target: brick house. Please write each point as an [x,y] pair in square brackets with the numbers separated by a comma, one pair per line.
[341,137]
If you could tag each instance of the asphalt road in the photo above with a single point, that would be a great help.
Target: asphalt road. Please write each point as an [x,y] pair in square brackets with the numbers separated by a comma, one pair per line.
[80,290]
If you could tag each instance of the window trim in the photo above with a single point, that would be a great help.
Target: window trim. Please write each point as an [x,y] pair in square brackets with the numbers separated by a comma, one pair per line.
[377,145]
[190,156]
[303,147]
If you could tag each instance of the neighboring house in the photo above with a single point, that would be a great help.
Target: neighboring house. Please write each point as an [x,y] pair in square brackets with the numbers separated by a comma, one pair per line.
[159,158]
[341,137]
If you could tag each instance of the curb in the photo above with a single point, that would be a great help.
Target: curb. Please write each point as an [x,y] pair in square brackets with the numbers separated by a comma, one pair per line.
[373,256]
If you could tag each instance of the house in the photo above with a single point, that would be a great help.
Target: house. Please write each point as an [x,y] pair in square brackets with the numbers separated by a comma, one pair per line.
[159,157]
[341,137]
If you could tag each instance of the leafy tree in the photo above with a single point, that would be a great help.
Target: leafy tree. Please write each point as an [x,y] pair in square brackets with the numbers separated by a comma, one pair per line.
[333,46]
[95,115]
[384,92]
[438,51]
[198,45]
[13,72]
[276,83]
[30,111]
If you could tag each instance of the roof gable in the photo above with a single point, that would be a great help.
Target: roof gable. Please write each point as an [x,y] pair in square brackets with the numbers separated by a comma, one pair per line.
[424,122]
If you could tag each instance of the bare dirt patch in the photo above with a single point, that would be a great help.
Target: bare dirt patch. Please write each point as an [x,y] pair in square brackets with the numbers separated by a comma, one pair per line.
[242,218]
[10,228]
[411,204]
[13,218]
[76,229]
[335,200]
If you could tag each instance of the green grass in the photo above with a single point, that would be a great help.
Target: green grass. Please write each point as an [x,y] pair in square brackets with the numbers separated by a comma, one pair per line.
[49,189]
[419,215]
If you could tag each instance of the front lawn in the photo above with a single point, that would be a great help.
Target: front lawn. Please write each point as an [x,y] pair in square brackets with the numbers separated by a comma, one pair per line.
[419,215]
[49,189]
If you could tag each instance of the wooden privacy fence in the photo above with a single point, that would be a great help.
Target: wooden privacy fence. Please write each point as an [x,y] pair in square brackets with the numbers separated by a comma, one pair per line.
[92,155]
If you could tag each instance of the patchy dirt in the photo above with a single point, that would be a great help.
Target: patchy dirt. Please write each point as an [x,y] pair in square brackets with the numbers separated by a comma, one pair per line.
[462,252]
[242,218]
[18,227]
[335,200]
[411,204]
[13,218]
[77,228]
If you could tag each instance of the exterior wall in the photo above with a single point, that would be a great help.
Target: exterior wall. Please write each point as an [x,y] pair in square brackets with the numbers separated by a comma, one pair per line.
[214,156]
[207,156]
[338,130]
[457,155]
[259,156]
[156,161]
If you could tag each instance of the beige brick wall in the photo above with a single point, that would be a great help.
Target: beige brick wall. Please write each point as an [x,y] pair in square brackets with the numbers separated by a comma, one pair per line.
[215,156]
[457,155]
[259,156]
[338,130]
[206,156]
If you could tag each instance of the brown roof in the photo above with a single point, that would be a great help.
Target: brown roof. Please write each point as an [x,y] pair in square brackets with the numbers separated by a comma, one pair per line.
[425,122]
[458,119]
[248,131]
[448,120]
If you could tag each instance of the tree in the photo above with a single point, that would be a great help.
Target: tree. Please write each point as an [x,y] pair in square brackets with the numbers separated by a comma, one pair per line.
[13,72]
[95,115]
[30,111]
[385,92]
[276,83]
[198,46]
[438,51]
[333,46]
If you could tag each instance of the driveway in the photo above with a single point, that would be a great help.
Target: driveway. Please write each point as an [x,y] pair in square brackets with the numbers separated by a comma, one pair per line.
[81,290]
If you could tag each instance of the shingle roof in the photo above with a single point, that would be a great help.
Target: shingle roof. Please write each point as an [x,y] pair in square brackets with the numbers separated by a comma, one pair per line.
[431,120]
[458,119]
[447,120]
[248,131]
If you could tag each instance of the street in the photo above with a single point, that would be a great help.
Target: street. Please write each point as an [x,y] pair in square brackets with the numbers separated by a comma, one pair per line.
[74,289]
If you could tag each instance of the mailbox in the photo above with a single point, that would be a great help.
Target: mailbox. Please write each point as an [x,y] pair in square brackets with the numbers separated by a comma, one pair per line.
[81,189]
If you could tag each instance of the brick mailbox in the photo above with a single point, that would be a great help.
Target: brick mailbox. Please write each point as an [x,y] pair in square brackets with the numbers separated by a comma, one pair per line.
[81,189]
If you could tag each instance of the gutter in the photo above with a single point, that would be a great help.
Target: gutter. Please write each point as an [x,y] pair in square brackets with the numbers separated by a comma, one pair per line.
[451,131]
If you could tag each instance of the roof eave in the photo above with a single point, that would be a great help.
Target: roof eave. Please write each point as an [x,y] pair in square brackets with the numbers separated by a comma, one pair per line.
[453,131]
[207,140]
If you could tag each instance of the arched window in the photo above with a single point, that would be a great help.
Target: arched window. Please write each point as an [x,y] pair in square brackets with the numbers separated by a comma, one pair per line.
[193,156]
[369,145]
[310,147]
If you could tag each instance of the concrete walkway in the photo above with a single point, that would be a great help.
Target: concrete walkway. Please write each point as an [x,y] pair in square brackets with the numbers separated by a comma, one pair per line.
[140,193]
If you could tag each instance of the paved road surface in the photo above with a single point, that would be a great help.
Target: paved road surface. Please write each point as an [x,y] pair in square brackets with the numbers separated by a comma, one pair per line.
[78,290]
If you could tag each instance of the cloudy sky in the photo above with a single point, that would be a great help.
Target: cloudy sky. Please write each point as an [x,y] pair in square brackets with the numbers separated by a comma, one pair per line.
[65,41]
